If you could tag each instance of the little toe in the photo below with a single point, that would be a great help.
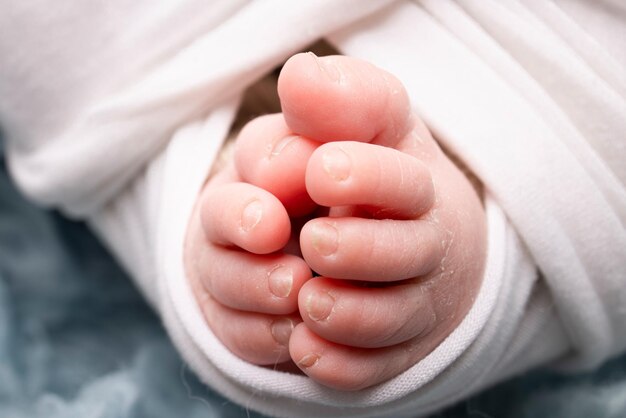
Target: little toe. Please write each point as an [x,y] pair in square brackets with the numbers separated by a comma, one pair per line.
[246,216]
[252,282]
[269,155]
[348,368]
[257,338]
[342,98]
[387,182]
[372,249]
[366,317]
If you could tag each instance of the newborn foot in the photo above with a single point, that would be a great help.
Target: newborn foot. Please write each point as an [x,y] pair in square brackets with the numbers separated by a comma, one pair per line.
[401,253]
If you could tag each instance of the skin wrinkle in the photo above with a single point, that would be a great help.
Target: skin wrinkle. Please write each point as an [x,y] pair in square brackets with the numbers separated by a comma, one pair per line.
[400,186]
[412,263]
[392,234]
[404,255]
[371,249]
[408,261]
[397,329]
[362,80]
[414,347]
[356,381]
[400,328]
[205,280]
[390,127]
[369,317]
[415,252]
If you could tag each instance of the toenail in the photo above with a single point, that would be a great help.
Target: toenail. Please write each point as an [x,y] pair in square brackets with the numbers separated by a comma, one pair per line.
[331,70]
[251,215]
[324,238]
[280,281]
[328,68]
[280,145]
[336,163]
[308,361]
[281,330]
[319,306]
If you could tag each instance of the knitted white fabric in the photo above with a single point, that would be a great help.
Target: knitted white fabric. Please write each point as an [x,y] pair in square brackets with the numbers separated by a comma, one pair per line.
[114,111]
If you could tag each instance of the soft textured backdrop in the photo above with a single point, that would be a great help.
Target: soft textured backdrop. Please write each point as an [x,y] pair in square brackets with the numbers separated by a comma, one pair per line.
[77,340]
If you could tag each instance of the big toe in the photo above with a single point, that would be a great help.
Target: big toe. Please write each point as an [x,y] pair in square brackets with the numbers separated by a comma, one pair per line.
[270,156]
[342,98]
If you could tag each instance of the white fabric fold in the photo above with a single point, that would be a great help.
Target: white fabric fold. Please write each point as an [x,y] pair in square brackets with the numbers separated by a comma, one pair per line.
[538,176]
[132,121]
[530,101]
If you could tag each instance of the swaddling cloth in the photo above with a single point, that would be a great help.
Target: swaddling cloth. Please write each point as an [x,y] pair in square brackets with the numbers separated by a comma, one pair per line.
[549,150]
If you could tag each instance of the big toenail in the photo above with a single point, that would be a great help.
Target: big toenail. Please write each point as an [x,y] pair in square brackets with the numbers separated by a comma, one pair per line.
[319,306]
[328,68]
[336,163]
[331,70]
[251,215]
[308,360]
[324,238]
[281,330]
[280,281]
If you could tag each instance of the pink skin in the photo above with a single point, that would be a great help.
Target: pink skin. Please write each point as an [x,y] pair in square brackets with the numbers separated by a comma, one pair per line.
[400,250]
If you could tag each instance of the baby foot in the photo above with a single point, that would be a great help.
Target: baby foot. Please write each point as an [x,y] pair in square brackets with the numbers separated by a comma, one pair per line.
[408,252]
[401,253]
[244,281]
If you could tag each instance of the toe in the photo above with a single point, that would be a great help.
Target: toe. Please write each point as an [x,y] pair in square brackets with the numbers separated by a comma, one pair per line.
[389,183]
[246,216]
[252,282]
[370,249]
[366,317]
[348,368]
[257,338]
[269,155]
[342,98]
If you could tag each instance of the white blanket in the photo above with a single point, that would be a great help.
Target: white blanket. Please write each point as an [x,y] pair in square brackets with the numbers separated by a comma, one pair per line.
[114,111]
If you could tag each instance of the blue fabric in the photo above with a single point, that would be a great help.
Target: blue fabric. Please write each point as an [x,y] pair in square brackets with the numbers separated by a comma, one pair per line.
[77,340]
